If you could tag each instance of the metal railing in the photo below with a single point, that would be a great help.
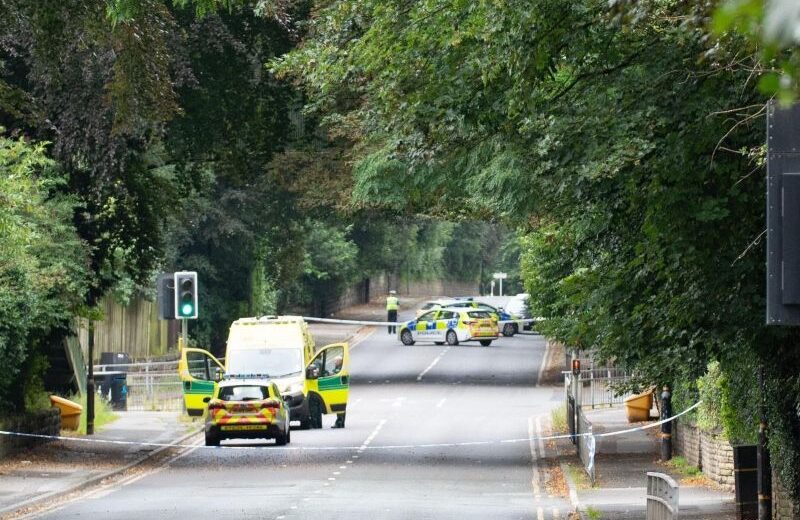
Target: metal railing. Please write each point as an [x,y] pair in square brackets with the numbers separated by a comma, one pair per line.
[662,497]
[591,388]
[161,391]
[149,386]
[597,387]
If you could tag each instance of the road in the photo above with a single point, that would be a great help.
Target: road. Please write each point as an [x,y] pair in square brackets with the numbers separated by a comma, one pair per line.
[430,401]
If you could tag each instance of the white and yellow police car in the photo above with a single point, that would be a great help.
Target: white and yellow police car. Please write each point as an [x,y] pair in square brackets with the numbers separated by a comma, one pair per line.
[451,326]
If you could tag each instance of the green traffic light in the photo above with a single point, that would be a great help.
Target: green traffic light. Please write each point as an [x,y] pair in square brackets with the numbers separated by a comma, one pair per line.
[186,309]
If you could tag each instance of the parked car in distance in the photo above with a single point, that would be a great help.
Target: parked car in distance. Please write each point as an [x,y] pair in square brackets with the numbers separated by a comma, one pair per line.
[518,306]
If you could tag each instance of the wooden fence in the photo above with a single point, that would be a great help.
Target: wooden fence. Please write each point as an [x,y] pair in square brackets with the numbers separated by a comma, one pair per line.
[134,329]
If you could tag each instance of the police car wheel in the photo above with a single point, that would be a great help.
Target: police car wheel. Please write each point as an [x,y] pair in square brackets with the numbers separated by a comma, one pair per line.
[452,338]
[282,439]
[439,342]
[406,337]
[211,439]
[486,342]
[508,330]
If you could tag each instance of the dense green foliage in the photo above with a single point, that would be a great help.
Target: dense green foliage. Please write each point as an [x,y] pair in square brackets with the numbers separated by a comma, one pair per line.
[625,140]
[174,147]
[42,263]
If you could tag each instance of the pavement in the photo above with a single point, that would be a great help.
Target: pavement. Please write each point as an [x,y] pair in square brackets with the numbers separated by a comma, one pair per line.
[622,463]
[60,467]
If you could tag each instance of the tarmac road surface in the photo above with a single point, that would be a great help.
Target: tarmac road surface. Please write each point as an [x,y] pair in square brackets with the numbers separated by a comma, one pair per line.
[420,395]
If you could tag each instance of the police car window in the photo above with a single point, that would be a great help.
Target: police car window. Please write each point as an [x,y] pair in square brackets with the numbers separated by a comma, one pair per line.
[447,315]
[428,316]
[478,314]
[334,357]
[243,393]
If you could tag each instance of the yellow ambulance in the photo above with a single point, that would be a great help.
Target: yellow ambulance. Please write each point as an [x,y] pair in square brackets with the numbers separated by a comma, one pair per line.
[280,348]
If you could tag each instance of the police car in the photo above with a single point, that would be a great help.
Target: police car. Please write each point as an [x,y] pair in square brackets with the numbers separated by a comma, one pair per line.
[450,325]
[500,314]
[247,407]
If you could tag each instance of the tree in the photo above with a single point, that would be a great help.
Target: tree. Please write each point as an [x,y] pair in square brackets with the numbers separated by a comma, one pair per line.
[42,261]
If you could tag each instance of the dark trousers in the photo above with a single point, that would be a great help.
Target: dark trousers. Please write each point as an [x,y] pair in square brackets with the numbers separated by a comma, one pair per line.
[392,317]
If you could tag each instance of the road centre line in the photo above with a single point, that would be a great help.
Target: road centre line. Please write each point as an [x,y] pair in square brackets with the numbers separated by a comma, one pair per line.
[433,364]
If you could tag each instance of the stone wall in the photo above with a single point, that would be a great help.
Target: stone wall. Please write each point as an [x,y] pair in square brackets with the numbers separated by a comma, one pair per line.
[710,452]
[42,422]
[783,507]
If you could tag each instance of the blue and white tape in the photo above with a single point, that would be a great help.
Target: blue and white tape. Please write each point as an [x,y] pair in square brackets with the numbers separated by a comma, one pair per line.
[352,448]
[396,323]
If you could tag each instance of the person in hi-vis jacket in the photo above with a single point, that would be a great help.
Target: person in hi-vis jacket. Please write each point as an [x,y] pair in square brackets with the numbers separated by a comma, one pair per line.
[392,304]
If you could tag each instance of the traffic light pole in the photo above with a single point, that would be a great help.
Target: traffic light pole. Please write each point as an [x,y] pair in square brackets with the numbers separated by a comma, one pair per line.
[184,333]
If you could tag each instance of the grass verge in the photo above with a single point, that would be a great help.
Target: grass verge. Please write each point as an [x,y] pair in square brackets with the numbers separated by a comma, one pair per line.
[578,476]
[558,420]
[683,467]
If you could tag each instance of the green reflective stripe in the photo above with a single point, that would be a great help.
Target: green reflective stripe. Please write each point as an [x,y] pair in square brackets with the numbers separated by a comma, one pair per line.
[199,387]
[332,383]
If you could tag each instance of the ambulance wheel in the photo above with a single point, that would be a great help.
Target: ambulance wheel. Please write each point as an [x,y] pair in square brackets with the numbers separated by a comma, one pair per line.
[315,413]
[305,424]
[211,439]
[508,330]
[439,342]
[406,337]
[282,439]
[486,342]
[452,338]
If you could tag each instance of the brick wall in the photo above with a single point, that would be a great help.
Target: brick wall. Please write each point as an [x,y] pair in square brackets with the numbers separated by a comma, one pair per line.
[42,422]
[783,507]
[710,452]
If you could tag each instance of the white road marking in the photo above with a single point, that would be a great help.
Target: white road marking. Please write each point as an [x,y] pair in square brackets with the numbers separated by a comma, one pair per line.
[534,466]
[441,402]
[398,402]
[545,358]
[539,513]
[556,514]
[433,364]
[539,435]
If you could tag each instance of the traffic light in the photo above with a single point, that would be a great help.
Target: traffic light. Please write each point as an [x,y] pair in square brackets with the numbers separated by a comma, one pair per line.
[186,295]
[576,367]
[166,296]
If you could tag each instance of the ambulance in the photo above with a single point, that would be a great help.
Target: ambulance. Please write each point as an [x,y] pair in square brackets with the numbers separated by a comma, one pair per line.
[312,382]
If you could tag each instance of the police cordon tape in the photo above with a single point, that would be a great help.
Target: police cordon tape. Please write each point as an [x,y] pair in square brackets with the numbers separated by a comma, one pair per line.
[353,448]
[396,323]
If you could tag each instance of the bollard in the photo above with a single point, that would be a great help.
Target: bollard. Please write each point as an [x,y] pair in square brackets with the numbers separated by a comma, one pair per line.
[666,428]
